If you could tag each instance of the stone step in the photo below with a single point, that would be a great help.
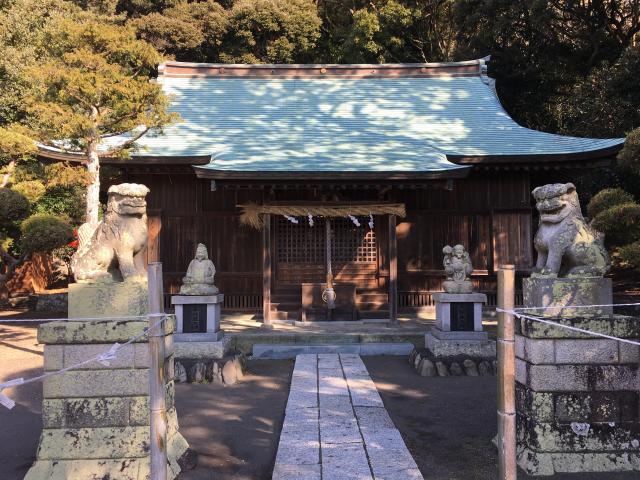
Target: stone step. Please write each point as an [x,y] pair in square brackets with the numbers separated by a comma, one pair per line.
[290,350]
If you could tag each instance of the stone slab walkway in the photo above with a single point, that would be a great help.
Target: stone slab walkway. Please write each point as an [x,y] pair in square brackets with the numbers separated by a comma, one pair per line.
[336,426]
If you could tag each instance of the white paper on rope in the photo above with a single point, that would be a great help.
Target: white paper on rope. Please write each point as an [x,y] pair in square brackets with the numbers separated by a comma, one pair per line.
[4,400]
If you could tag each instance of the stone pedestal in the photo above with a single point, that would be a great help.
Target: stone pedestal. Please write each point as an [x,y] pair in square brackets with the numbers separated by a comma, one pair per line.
[198,335]
[108,300]
[458,331]
[577,396]
[459,316]
[558,293]
[198,317]
[96,419]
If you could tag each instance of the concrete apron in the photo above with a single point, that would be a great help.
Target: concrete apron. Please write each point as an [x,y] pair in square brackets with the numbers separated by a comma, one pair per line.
[336,426]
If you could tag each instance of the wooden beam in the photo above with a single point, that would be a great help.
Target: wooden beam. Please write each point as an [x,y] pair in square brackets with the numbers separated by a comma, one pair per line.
[266,270]
[393,270]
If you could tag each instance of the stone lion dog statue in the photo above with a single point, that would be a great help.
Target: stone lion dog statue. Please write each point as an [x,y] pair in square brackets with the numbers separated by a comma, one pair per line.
[114,249]
[567,246]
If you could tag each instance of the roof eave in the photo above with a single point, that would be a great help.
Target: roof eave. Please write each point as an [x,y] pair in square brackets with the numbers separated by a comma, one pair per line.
[603,153]
[208,173]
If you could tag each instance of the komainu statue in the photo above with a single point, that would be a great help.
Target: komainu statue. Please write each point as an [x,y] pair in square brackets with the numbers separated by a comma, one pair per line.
[567,246]
[116,247]
[457,267]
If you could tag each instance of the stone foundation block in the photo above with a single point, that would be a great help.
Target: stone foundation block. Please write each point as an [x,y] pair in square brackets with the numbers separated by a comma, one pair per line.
[99,331]
[535,351]
[81,412]
[539,463]
[108,299]
[202,350]
[94,443]
[482,349]
[97,383]
[125,469]
[558,378]
[555,437]
[559,295]
[538,406]
[620,326]
[597,351]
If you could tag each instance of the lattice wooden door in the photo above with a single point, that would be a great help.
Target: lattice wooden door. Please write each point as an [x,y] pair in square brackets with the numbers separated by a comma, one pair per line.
[300,249]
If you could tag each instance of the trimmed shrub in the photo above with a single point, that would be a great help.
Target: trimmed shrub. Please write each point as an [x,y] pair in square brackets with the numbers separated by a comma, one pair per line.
[43,233]
[32,190]
[607,198]
[13,207]
[629,255]
[629,156]
[620,223]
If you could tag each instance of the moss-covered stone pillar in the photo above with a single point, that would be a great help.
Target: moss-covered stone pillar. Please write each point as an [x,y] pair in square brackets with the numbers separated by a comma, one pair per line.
[578,396]
[96,419]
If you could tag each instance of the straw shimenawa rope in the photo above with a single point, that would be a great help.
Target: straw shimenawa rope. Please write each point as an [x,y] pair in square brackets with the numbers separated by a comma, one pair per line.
[252,213]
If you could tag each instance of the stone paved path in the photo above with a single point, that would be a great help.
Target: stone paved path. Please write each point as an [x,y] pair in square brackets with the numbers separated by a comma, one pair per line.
[336,427]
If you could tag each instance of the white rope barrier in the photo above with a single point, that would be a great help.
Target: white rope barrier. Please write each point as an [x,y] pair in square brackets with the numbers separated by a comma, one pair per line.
[103,358]
[524,309]
[518,314]
[75,319]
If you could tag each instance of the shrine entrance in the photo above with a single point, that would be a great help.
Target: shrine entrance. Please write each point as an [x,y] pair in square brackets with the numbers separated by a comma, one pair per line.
[325,261]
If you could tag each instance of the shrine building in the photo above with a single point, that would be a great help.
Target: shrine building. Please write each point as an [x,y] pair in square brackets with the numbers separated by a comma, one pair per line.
[399,159]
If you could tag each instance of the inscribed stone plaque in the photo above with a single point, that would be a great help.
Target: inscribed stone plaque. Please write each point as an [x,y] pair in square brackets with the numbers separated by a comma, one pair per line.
[461,316]
[195,318]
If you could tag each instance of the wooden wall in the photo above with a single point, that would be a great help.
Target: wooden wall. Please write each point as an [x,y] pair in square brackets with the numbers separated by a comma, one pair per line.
[489,212]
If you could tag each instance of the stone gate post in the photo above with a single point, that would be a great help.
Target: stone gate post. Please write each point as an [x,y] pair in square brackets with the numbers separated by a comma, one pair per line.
[96,418]
[577,396]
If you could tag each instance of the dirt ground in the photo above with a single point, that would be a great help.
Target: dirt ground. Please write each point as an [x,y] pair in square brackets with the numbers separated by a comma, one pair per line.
[447,423]
[235,429]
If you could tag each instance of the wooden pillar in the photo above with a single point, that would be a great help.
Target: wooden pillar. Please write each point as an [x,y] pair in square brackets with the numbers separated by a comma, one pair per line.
[157,407]
[393,270]
[507,469]
[266,270]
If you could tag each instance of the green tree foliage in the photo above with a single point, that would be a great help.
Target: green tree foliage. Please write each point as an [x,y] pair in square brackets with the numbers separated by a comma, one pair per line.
[606,102]
[244,31]
[543,50]
[22,24]
[94,83]
[271,31]
[186,31]
[389,31]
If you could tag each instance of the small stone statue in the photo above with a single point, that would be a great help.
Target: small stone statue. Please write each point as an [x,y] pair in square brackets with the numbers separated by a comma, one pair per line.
[115,248]
[567,246]
[457,267]
[200,275]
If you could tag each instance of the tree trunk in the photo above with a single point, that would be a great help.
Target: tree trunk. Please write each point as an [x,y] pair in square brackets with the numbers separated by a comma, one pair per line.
[93,167]
[10,266]
[93,189]
[6,176]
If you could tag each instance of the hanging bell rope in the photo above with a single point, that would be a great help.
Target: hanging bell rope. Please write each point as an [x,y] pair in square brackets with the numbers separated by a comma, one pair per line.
[251,213]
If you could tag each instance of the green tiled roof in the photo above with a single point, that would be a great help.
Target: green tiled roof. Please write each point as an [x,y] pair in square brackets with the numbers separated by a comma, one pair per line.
[334,124]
